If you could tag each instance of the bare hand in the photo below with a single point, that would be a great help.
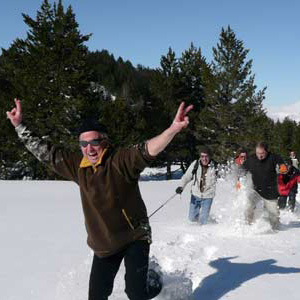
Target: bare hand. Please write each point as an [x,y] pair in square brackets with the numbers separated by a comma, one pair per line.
[181,119]
[15,115]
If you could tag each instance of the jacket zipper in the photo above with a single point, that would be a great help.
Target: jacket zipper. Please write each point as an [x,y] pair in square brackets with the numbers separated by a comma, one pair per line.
[127,219]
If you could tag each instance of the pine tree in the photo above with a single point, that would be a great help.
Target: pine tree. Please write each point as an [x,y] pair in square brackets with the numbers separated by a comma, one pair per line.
[47,70]
[167,90]
[296,140]
[284,136]
[238,103]
[188,79]
[128,94]
[199,88]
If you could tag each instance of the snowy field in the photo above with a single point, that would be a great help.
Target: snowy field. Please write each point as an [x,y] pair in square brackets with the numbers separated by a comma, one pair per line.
[44,254]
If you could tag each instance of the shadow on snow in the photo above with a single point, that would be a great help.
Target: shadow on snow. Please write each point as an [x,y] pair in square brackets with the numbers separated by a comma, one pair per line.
[292,224]
[230,276]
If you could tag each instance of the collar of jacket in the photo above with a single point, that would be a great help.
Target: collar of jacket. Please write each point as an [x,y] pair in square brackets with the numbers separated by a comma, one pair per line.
[85,163]
[211,164]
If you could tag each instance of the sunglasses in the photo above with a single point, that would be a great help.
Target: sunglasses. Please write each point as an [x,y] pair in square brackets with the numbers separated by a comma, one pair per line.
[95,142]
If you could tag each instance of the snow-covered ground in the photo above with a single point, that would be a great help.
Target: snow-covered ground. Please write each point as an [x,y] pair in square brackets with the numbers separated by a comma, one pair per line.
[44,254]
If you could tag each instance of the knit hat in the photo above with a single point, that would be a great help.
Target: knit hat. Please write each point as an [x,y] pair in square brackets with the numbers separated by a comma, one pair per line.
[91,124]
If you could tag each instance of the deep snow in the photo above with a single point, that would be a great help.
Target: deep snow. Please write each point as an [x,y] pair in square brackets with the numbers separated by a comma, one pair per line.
[44,253]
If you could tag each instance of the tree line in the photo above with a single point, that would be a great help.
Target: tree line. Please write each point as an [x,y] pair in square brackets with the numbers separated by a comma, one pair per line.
[60,82]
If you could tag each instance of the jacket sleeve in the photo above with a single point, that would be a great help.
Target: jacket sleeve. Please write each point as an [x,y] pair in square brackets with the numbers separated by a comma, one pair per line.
[284,188]
[131,161]
[61,162]
[188,175]
[212,186]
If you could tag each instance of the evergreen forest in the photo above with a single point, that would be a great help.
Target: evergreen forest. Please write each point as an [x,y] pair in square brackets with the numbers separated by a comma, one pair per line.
[60,82]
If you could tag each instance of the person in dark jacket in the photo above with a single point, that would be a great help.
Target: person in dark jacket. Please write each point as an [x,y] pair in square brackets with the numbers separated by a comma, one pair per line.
[115,214]
[263,167]
[288,185]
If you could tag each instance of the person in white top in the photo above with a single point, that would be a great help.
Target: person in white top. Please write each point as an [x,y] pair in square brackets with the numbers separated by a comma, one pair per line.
[294,159]
[202,173]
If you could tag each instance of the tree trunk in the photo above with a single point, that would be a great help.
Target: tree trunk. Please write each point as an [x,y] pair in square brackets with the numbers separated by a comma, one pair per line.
[169,173]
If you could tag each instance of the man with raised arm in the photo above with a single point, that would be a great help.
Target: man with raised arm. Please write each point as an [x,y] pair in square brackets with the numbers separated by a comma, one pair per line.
[115,214]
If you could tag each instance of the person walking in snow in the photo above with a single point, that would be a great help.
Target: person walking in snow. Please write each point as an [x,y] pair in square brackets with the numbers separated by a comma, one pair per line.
[294,159]
[288,178]
[202,173]
[240,158]
[263,167]
[115,214]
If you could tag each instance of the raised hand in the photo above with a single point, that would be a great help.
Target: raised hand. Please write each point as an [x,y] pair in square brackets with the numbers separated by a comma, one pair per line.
[15,115]
[181,119]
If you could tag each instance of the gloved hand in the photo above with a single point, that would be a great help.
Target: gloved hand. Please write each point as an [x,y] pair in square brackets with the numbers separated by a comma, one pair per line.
[179,190]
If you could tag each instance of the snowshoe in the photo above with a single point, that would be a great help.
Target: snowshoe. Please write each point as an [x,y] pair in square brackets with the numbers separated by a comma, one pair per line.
[155,283]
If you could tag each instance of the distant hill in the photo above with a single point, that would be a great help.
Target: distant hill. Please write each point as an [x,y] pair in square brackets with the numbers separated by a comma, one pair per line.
[292,111]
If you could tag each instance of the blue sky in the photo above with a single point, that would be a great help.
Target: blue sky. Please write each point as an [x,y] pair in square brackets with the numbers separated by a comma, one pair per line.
[142,31]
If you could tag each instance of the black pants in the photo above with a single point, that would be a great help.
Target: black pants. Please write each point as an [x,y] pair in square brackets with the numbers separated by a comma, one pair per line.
[104,270]
[282,201]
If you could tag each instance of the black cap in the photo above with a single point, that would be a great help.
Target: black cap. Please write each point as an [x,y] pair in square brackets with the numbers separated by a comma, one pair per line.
[91,125]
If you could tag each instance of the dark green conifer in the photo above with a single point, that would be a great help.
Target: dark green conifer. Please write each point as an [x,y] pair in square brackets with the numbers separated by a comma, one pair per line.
[47,71]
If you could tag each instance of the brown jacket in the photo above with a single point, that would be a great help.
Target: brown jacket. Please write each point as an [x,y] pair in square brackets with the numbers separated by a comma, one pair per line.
[114,211]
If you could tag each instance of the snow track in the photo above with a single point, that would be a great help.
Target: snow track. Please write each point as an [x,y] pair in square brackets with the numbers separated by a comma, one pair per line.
[44,254]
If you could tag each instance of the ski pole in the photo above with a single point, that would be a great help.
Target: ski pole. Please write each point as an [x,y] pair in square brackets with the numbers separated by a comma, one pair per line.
[173,196]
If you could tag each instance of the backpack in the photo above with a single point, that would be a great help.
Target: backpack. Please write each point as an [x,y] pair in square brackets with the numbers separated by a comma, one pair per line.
[196,166]
[194,171]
